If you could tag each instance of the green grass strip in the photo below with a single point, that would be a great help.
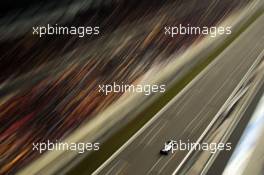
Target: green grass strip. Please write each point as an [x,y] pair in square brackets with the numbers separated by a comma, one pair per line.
[95,159]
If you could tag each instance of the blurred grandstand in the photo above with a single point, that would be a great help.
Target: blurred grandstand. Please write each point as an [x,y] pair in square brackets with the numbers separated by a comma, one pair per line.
[49,86]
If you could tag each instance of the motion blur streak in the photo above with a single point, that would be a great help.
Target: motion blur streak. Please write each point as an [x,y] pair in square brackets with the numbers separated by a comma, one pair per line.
[49,86]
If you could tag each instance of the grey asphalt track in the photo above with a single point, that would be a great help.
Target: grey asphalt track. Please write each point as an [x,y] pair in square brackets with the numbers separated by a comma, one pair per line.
[189,113]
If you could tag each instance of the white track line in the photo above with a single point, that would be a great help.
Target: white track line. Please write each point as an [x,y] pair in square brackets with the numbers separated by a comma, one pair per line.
[256,62]
[153,119]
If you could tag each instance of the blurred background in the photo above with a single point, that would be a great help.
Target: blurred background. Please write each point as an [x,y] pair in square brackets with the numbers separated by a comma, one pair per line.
[49,85]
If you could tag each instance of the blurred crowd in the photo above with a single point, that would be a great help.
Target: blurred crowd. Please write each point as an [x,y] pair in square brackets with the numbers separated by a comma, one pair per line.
[49,86]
